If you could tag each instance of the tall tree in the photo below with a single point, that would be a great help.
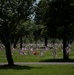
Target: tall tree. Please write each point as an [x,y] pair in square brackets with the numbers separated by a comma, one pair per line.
[58,19]
[40,10]
[12,14]
[60,23]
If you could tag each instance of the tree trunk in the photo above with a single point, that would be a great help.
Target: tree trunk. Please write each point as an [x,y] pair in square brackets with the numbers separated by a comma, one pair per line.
[21,42]
[15,42]
[45,40]
[65,56]
[8,54]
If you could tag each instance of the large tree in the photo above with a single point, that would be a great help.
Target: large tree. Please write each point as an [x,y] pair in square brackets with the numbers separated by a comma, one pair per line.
[57,16]
[60,23]
[12,14]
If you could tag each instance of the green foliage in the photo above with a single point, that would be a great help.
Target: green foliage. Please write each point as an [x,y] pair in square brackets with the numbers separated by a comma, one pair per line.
[57,17]
[12,14]
[61,18]
[40,11]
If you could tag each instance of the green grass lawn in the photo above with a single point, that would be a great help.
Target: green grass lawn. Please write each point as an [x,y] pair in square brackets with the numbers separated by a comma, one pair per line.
[37,70]
[33,69]
[17,57]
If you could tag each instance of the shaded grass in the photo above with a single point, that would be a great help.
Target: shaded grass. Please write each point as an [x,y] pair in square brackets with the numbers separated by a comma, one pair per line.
[58,60]
[15,67]
[37,70]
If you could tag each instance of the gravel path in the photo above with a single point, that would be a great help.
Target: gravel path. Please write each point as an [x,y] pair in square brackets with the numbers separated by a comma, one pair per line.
[26,63]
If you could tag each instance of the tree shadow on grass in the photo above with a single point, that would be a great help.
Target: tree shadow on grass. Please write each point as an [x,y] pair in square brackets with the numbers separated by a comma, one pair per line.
[58,60]
[18,67]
